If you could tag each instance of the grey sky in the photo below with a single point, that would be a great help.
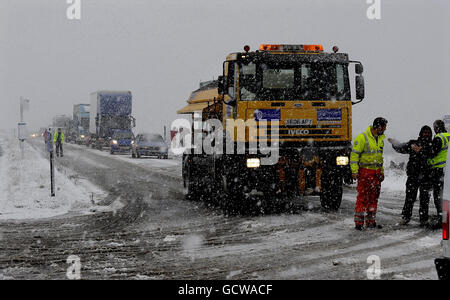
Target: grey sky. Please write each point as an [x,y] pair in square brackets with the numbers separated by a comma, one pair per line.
[160,50]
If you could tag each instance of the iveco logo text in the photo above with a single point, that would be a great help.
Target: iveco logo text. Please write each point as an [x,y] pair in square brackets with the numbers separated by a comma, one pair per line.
[298,131]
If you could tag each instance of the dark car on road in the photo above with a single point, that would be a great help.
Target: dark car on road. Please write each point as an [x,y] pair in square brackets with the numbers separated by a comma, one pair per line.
[121,141]
[149,144]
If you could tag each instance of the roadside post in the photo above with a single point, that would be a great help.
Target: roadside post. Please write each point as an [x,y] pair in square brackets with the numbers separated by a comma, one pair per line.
[22,136]
[52,167]
[22,126]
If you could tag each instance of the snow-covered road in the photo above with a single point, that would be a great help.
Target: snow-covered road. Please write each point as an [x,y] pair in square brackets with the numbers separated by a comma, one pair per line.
[154,233]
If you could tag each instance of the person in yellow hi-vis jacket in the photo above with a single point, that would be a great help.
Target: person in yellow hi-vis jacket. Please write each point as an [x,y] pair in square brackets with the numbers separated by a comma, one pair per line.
[366,162]
[437,163]
[58,139]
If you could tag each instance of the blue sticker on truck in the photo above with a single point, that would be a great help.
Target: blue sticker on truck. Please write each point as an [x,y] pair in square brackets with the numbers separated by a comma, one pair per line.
[267,114]
[329,115]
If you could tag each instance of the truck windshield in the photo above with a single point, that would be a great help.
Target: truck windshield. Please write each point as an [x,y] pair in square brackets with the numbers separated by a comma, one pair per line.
[117,122]
[84,123]
[123,135]
[294,81]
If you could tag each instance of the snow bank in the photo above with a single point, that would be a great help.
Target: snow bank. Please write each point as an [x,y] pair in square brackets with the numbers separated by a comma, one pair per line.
[25,185]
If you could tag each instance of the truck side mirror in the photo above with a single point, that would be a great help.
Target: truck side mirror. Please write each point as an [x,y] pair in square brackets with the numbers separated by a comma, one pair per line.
[359,69]
[220,85]
[359,84]
[222,89]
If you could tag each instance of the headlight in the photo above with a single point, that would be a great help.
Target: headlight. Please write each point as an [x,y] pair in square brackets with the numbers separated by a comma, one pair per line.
[114,142]
[253,162]
[342,160]
[132,142]
[82,136]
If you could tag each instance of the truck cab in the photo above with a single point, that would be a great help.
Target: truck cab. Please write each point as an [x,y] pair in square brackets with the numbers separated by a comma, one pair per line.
[121,141]
[296,98]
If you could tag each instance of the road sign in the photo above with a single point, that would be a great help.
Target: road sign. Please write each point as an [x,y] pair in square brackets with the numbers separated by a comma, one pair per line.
[49,141]
[23,132]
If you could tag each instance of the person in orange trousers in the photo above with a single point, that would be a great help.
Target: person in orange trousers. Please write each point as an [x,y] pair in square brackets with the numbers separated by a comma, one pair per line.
[366,162]
[369,186]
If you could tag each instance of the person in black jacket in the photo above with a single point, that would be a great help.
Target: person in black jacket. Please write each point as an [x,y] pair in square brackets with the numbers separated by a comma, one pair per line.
[418,172]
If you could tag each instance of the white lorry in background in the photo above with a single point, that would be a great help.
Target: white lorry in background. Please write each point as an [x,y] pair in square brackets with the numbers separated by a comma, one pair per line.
[110,114]
[443,263]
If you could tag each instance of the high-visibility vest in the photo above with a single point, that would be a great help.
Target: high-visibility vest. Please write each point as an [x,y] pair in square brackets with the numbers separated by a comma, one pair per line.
[367,152]
[440,159]
[55,137]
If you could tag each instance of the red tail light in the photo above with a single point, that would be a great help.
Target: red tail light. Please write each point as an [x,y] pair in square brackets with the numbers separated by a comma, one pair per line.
[445,219]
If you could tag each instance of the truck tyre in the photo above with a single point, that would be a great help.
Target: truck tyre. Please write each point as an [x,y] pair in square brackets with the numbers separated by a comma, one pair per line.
[331,195]
[231,195]
[190,181]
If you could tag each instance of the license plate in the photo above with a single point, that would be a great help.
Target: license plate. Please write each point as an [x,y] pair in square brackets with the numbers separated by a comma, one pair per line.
[299,122]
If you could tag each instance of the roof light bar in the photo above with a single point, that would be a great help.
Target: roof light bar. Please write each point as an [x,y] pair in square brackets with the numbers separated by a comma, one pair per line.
[280,47]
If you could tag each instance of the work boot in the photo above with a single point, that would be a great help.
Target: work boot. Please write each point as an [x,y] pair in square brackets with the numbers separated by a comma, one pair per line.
[436,223]
[404,222]
[424,224]
[374,226]
[359,227]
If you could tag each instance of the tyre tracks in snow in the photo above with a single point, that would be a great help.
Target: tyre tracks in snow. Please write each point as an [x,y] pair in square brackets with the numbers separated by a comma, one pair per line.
[157,235]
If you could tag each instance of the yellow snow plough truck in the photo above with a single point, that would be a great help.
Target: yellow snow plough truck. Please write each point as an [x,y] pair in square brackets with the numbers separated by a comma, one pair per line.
[277,123]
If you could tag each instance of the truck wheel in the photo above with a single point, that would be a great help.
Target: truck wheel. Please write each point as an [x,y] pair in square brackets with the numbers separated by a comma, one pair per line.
[331,195]
[192,189]
[190,182]
[231,195]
